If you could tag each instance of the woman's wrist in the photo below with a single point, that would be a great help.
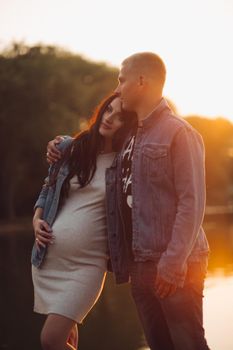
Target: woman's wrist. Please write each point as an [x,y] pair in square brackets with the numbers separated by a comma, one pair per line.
[37,216]
[34,220]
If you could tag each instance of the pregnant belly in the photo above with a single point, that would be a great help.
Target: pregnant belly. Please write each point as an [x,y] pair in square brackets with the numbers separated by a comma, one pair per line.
[78,235]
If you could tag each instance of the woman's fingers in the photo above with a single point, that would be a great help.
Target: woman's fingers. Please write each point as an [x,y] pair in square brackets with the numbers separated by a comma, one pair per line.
[43,229]
[43,233]
[46,226]
[40,233]
[37,244]
[44,239]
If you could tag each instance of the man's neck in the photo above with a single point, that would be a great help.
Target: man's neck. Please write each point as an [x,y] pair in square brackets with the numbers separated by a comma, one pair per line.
[146,108]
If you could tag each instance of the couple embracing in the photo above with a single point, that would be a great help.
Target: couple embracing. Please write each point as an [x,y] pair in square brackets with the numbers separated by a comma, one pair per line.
[125,195]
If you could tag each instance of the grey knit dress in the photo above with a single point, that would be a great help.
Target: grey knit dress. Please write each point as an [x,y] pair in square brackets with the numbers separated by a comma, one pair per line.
[72,275]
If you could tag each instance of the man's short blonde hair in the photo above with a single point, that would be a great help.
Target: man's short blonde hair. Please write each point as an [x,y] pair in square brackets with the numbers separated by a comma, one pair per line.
[147,63]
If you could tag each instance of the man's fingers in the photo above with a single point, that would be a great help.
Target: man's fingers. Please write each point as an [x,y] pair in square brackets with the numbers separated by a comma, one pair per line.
[53,151]
[166,291]
[59,139]
[163,288]
[157,280]
[53,155]
[173,290]
[52,148]
[159,285]
[50,159]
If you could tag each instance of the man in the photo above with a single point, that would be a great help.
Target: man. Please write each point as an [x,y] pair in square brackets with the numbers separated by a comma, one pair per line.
[156,201]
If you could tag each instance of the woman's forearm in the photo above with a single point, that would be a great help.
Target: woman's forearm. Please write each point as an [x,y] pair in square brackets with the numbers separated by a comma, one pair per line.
[38,214]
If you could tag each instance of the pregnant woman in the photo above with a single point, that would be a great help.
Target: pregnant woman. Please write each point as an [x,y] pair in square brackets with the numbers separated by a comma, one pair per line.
[70,253]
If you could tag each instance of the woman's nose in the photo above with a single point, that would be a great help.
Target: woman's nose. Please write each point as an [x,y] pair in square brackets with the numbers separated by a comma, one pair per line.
[109,118]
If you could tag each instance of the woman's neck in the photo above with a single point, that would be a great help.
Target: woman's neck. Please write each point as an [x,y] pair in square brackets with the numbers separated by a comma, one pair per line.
[107,146]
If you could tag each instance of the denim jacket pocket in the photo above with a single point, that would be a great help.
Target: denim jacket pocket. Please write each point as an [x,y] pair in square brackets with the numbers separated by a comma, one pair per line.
[154,159]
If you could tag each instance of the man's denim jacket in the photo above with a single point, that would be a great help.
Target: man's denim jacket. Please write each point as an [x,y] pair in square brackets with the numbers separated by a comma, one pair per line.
[48,200]
[168,189]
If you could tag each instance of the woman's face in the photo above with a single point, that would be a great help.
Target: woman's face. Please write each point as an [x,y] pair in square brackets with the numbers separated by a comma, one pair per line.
[112,119]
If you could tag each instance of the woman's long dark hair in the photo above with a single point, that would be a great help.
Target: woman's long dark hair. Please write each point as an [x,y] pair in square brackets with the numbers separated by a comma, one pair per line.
[82,153]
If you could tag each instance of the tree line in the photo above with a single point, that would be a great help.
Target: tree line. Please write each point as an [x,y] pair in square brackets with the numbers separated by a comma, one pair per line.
[46,91]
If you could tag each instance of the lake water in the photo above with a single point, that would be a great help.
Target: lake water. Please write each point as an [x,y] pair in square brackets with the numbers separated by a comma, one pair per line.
[113,323]
[218,311]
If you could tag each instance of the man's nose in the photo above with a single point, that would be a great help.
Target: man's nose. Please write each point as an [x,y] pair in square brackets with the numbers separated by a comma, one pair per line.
[117,90]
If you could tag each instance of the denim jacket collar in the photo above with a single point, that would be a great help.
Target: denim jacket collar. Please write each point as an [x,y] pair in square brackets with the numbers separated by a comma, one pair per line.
[155,113]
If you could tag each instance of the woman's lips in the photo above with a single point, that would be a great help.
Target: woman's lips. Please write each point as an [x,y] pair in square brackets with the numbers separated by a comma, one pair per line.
[106,126]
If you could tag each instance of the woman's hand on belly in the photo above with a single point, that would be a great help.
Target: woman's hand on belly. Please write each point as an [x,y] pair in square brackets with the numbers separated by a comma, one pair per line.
[43,233]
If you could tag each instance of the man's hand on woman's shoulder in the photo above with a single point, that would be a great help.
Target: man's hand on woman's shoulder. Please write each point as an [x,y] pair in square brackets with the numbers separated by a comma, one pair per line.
[53,154]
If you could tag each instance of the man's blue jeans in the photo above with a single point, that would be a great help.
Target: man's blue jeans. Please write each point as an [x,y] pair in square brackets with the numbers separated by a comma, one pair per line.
[175,322]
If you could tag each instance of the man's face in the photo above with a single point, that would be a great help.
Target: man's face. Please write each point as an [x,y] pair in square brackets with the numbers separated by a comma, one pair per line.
[128,88]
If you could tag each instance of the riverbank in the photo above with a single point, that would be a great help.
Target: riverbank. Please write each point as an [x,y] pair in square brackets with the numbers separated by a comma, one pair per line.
[22,225]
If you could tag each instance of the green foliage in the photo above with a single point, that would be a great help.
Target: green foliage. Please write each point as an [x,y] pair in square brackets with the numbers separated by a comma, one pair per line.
[44,92]
[218,139]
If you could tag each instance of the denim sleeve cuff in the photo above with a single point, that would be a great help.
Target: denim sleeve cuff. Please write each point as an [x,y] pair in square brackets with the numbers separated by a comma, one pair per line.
[40,203]
[172,274]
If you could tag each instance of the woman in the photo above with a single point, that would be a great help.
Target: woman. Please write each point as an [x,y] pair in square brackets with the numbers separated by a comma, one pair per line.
[70,255]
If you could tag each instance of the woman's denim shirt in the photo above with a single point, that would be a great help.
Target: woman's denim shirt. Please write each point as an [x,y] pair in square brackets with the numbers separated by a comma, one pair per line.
[49,200]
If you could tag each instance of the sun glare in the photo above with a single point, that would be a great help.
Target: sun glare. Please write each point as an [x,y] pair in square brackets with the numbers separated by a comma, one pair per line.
[193,37]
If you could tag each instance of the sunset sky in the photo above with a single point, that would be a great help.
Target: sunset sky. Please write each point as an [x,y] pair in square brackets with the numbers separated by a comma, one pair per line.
[194,37]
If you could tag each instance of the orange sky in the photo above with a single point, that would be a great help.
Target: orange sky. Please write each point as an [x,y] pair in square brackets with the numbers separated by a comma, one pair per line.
[194,37]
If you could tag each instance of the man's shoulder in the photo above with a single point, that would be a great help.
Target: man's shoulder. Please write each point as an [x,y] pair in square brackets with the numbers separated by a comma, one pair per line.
[178,123]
